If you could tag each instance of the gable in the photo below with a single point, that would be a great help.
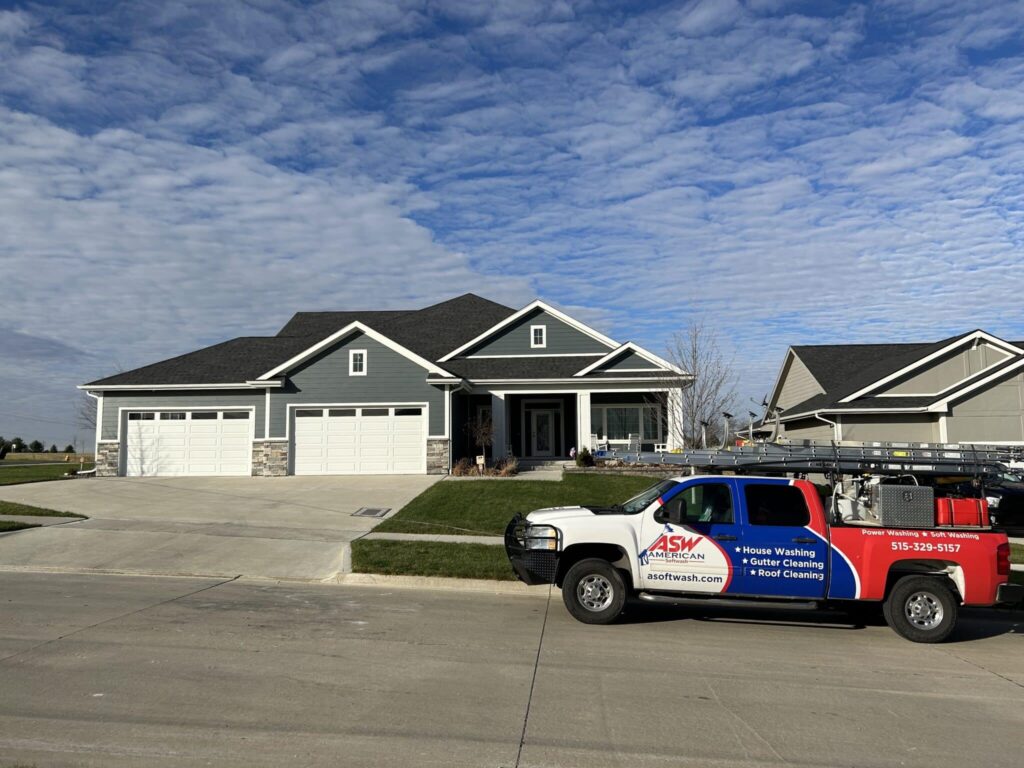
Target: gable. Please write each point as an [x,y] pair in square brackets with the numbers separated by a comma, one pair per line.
[514,339]
[796,384]
[946,372]
[628,361]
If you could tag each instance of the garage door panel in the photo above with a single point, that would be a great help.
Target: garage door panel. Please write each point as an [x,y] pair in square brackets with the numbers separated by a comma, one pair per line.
[379,443]
[187,446]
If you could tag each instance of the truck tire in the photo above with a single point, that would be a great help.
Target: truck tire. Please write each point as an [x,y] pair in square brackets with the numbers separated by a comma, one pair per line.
[923,609]
[594,591]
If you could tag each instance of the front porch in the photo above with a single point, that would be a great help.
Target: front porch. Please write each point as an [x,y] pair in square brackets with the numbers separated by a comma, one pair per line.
[549,425]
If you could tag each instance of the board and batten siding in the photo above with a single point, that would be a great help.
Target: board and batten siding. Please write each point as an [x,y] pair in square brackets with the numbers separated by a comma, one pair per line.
[215,398]
[562,339]
[630,361]
[798,384]
[390,378]
[948,371]
[994,414]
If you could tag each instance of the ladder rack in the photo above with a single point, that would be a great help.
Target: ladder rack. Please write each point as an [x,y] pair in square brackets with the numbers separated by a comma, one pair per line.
[845,458]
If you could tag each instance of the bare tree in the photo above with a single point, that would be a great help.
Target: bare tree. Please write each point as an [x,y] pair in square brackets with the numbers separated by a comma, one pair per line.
[85,411]
[696,350]
[481,433]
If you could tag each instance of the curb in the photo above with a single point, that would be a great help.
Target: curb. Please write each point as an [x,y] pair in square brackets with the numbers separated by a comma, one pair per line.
[438,583]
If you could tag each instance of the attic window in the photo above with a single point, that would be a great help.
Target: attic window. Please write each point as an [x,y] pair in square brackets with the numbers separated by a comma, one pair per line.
[357,362]
[538,336]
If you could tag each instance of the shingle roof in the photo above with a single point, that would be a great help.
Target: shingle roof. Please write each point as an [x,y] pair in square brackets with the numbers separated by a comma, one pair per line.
[843,369]
[430,332]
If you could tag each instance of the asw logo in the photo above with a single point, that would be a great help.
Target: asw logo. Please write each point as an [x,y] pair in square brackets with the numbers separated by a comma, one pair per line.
[672,543]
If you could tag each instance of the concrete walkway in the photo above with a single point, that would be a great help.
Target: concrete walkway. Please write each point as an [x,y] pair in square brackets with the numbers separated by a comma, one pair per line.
[280,528]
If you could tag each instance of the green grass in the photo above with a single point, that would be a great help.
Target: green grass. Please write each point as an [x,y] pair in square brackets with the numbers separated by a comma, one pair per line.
[12,474]
[431,558]
[12,508]
[486,506]
[10,525]
[1017,553]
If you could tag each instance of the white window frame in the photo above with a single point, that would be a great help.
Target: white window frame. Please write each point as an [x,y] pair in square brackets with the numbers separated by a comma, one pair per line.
[602,427]
[543,337]
[351,362]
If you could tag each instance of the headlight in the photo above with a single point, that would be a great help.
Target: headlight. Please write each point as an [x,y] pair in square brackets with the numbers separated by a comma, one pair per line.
[993,501]
[541,537]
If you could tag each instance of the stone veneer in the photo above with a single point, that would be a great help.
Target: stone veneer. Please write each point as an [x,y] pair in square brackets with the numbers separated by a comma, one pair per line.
[270,458]
[108,459]
[438,456]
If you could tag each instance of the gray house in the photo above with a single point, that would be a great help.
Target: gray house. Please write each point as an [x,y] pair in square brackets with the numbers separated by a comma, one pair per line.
[385,392]
[964,389]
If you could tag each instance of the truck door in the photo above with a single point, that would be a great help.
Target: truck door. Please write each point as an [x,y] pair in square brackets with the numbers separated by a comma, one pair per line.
[780,556]
[686,537]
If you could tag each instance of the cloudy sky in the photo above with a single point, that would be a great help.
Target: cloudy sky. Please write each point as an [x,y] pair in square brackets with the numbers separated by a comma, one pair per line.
[176,173]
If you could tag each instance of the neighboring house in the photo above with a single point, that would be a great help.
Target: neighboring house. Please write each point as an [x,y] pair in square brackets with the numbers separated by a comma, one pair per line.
[385,392]
[965,389]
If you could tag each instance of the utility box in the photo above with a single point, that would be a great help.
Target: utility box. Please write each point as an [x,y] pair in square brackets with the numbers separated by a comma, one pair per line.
[903,506]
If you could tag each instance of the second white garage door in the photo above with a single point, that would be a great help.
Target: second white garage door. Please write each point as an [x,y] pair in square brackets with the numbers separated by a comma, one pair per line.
[380,440]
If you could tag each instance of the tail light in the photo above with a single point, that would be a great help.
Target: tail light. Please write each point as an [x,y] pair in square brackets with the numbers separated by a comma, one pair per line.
[1003,559]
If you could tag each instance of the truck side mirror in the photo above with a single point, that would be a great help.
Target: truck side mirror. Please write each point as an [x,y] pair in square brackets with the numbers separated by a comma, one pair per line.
[670,513]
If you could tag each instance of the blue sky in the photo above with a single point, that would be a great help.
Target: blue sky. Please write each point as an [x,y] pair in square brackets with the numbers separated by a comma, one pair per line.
[176,173]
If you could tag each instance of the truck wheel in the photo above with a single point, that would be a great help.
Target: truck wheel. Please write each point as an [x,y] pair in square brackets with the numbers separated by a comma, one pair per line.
[594,591]
[922,609]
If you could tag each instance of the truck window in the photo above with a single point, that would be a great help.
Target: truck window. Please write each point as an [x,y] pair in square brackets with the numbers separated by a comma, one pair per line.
[776,505]
[704,503]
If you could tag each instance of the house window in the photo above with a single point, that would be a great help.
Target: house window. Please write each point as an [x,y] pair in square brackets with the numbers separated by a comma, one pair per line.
[616,423]
[357,362]
[538,336]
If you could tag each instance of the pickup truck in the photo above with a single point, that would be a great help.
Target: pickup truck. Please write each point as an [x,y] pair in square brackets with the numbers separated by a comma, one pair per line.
[748,540]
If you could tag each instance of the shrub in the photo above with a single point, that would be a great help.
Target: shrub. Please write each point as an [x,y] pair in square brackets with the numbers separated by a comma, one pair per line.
[463,467]
[508,467]
[584,458]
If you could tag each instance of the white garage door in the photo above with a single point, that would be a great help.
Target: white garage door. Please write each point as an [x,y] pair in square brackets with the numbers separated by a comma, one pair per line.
[188,443]
[360,441]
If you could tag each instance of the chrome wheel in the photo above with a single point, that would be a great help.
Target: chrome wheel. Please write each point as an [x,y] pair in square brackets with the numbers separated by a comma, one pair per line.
[923,610]
[594,592]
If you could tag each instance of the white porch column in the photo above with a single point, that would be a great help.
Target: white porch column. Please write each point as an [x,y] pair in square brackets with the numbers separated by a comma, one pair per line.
[500,421]
[674,419]
[583,421]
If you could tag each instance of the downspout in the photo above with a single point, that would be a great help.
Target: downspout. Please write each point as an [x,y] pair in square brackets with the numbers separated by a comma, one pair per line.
[833,424]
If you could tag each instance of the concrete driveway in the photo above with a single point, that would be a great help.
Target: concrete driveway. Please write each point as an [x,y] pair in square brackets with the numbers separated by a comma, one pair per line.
[279,528]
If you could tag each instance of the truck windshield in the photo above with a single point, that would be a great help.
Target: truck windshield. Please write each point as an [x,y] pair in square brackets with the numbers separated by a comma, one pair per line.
[643,500]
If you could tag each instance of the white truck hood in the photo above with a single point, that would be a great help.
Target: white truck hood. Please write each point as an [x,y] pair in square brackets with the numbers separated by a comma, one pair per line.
[551,515]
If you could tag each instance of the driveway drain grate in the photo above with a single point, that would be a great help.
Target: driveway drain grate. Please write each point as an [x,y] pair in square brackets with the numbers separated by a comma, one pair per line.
[371,512]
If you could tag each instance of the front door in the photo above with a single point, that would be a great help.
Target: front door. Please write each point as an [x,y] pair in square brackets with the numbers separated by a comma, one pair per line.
[542,433]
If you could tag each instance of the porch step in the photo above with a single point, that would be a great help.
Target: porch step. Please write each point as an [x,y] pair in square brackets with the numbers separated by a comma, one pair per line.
[541,465]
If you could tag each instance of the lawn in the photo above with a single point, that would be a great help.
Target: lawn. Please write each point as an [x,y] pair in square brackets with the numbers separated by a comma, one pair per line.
[484,507]
[14,473]
[7,526]
[431,558]
[12,508]
[1017,553]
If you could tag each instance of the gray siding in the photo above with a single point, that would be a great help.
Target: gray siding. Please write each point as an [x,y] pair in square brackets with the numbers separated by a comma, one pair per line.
[798,384]
[390,378]
[112,401]
[996,413]
[947,371]
[629,361]
[561,339]
[903,428]
[807,429]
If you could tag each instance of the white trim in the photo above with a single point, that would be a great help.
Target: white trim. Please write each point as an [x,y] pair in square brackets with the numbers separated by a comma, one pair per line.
[546,354]
[266,416]
[629,346]
[943,405]
[99,424]
[950,388]
[609,379]
[976,336]
[812,414]
[543,337]
[351,362]
[348,329]
[538,304]
[312,406]
[145,387]
[447,416]
[943,429]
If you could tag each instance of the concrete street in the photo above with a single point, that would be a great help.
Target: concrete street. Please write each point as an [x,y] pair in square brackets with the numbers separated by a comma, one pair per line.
[134,671]
[274,527]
